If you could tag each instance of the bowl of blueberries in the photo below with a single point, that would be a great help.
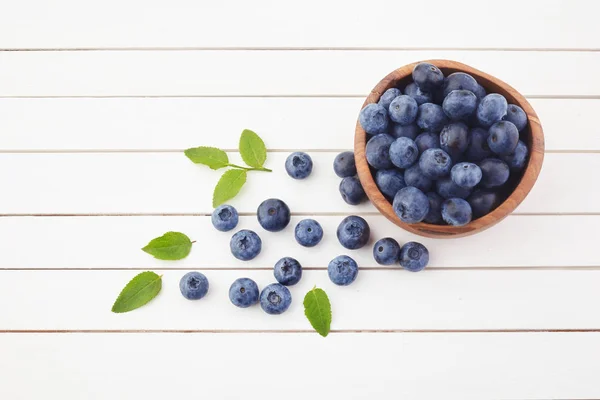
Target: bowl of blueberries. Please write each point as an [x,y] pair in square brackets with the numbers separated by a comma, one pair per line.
[444,150]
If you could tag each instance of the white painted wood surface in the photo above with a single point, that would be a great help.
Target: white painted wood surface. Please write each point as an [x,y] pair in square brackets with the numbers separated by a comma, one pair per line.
[97,101]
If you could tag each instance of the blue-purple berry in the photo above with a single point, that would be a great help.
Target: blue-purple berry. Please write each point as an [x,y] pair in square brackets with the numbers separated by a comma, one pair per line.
[456,212]
[374,119]
[386,251]
[352,191]
[403,152]
[411,205]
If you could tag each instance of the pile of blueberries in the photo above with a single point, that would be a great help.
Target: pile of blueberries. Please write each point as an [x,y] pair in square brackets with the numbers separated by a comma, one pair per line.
[443,151]
[274,215]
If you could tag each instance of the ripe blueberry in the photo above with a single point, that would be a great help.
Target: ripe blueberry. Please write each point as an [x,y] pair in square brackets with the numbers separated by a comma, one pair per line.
[224,218]
[342,270]
[273,215]
[353,232]
[193,285]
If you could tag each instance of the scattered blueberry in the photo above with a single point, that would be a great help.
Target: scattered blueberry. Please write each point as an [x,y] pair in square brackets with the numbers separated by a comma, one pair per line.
[517,160]
[460,81]
[389,181]
[503,138]
[373,119]
[275,299]
[299,165]
[431,117]
[352,191]
[245,245]
[494,172]
[378,151]
[353,232]
[460,104]
[193,285]
[454,139]
[342,270]
[386,251]
[387,97]
[273,215]
[491,109]
[446,188]
[427,140]
[414,257]
[478,146]
[411,205]
[456,212]
[287,271]
[404,152]
[434,216]
[517,116]
[344,165]
[427,76]
[482,202]
[410,131]
[308,233]
[225,218]
[416,93]
[243,292]
[413,176]
[435,163]
[466,174]
[403,110]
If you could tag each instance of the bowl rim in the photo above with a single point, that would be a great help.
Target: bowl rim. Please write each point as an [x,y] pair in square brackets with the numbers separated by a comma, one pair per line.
[528,179]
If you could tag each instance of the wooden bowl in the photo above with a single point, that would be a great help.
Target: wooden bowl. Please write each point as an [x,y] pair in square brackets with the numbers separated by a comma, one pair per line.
[532,135]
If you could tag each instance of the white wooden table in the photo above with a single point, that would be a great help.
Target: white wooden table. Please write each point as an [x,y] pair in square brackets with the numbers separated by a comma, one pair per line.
[97,102]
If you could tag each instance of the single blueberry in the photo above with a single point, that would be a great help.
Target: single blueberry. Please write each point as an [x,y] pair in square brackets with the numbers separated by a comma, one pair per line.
[273,215]
[224,218]
[517,160]
[416,93]
[193,285]
[446,188]
[308,233]
[427,76]
[460,104]
[466,174]
[287,271]
[413,176]
[387,97]
[503,138]
[478,147]
[494,172]
[427,140]
[456,212]
[275,299]
[410,131]
[386,251]
[374,119]
[483,202]
[342,270]
[435,163]
[245,245]
[243,292]
[414,257]
[299,165]
[344,165]
[403,110]
[411,205]
[389,181]
[480,92]
[404,152]
[352,191]
[517,116]
[434,216]
[431,117]
[460,81]
[454,139]
[491,109]
[353,232]
[378,151]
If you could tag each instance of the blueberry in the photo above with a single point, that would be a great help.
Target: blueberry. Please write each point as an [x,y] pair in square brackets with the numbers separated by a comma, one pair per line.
[245,245]
[193,285]
[413,176]
[374,119]
[427,140]
[386,251]
[352,191]
[431,117]
[491,109]
[446,188]
[378,151]
[517,116]
[273,215]
[456,212]
[342,270]
[480,92]
[460,81]
[353,232]
[416,93]
[478,147]
[460,104]
[404,152]
[410,131]
[243,292]
[411,205]
[414,256]
[434,216]
[494,172]
[275,299]
[517,160]
[287,271]
[454,139]
[299,165]
[427,76]
[344,165]
[435,163]
[225,218]
[403,110]
[308,233]
[503,138]
[389,181]
[466,174]
[387,97]
[482,202]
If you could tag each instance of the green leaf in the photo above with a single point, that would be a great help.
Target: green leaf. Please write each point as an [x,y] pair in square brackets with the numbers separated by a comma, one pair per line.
[228,186]
[210,156]
[139,291]
[252,149]
[317,309]
[170,246]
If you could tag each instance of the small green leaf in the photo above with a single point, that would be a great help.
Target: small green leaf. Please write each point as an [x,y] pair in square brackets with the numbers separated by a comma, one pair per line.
[139,291]
[210,156]
[317,309]
[170,246]
[228,186]
[252,149]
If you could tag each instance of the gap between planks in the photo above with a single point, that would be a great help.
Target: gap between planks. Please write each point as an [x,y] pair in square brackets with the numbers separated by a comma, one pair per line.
[261,96]
[304,48]
[137,151]
[294,214]
[474,268]
[300,331]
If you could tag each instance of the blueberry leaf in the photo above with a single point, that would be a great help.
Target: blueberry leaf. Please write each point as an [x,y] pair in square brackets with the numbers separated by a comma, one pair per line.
[317,309]
[138,292]
[252,149]
[228,186]
[209,156]
[170,246]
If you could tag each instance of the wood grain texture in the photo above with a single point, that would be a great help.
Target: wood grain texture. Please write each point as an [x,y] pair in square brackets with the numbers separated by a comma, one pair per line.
[533,136]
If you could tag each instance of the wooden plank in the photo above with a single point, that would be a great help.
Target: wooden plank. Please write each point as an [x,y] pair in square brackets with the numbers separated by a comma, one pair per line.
[271,73]
[267,23]
[180,123]
[115,242]
[141,183]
